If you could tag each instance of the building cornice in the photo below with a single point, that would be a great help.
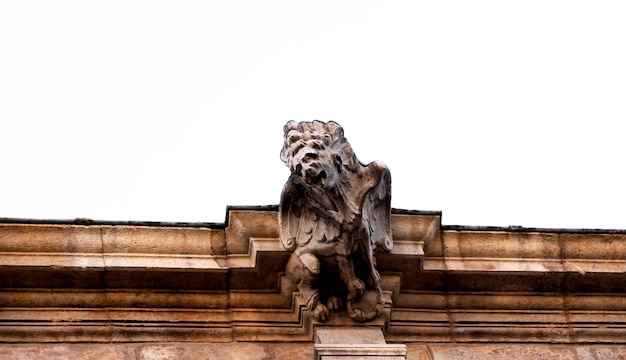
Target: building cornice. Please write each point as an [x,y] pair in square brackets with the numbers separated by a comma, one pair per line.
[87,281]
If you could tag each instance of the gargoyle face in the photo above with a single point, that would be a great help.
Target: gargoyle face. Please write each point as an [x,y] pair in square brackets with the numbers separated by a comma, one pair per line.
[315,164]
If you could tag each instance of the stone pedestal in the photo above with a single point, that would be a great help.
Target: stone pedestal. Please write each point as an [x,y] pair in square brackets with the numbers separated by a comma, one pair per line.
[352,343]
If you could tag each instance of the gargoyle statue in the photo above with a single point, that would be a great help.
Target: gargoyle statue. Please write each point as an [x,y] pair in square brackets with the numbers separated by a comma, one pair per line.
[334,213]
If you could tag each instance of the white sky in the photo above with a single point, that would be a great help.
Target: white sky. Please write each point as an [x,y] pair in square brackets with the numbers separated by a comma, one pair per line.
[494,112]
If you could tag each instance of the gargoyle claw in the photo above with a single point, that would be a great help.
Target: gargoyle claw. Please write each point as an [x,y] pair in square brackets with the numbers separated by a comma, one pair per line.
[321,313]
[356,288]
[334,304]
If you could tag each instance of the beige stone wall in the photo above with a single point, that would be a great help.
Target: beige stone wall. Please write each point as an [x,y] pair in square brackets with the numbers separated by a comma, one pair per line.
[300,351]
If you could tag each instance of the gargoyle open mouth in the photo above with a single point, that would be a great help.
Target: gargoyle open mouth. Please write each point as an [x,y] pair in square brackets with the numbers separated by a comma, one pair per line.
[318,178]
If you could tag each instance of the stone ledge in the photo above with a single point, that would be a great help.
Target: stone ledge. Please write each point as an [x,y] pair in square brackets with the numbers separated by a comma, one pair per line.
[250,232]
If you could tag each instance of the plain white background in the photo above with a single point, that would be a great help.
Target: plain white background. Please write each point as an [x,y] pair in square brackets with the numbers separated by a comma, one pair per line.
[494,112]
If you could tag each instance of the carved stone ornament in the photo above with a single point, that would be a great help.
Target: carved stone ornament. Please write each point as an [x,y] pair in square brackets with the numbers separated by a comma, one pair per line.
[334,214]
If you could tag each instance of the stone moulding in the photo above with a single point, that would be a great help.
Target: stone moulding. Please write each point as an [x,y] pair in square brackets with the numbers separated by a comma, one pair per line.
[108,282]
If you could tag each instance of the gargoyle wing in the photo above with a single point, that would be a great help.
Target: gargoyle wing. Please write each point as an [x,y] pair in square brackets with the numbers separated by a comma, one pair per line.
[304,215]
[289,211]
[376,209]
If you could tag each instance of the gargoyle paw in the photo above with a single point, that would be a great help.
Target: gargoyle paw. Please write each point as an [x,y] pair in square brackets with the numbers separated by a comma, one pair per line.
[334,304]
[321,313]
[356,288]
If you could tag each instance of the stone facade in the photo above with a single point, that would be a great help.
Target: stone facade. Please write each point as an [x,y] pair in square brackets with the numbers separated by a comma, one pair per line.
[219,291]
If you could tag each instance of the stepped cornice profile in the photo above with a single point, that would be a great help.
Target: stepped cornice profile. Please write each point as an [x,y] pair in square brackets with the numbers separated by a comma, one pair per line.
[63,282]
